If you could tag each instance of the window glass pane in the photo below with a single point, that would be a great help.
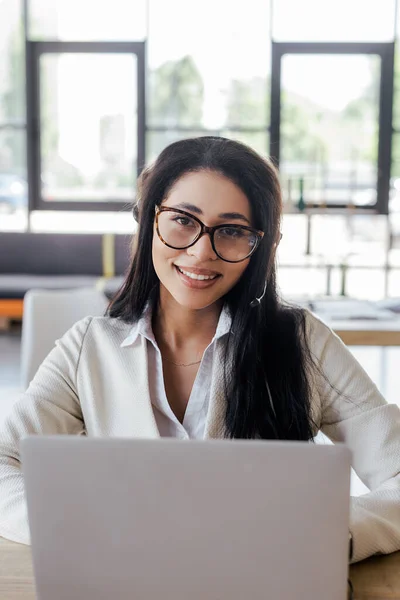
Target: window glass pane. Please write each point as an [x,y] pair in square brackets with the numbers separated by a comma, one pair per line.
[88,127]
[396,86]
[394,284]
[395,171]
[213,71]
[329,237]
[396,107]
[360,237]
[336,282]
[176,94]
[396,153]
[356,241]
[247,102]
[329,129]
[12,62]
[13,180]
[12,152]
[394,254]
[394,202]
[301,281]
[69,20]
[333,20]
[395,237]
[294,235]
[82,222]
[367,284]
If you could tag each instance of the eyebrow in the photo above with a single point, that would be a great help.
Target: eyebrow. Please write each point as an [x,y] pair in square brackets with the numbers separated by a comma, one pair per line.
[234,216]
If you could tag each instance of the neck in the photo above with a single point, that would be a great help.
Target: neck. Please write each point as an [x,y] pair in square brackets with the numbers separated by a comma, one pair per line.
[179,328]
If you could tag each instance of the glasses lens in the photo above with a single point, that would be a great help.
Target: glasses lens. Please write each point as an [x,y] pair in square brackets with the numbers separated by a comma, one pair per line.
[177,230]
[234,243]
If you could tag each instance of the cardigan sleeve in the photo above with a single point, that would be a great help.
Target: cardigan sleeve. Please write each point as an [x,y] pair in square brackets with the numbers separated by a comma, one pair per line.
[49,406]
[355,413]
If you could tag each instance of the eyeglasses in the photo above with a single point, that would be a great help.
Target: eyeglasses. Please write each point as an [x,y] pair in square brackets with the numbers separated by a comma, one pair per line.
[180,230]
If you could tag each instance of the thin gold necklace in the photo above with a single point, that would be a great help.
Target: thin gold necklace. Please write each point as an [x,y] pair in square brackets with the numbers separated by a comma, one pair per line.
[182,364]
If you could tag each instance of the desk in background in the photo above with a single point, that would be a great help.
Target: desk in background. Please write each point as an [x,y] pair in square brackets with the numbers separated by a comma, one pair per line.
[367,333]
[374,579]
[358,322]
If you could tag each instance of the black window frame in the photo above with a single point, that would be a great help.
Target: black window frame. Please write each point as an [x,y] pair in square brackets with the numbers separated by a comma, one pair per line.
[386,51]
[34,50]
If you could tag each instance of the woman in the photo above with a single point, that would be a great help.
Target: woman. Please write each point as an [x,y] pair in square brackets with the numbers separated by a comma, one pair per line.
[197,344]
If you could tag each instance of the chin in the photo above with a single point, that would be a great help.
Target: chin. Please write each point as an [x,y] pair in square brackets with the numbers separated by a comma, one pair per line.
[195,301]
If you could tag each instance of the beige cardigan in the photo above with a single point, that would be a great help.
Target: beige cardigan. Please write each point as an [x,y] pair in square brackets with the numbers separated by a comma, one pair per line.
[91,385]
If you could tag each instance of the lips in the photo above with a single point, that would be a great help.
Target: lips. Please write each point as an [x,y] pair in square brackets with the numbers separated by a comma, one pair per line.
[195,271]
[197,278]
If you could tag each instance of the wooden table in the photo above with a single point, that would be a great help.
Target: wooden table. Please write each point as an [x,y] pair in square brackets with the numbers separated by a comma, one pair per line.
[367,333]
[16,573]
[373,579]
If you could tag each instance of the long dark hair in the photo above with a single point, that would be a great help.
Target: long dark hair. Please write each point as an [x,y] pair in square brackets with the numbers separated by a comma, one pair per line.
[266,358]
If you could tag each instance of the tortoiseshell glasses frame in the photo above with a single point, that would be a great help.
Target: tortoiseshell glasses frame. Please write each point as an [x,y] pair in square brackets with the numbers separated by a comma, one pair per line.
[204,229]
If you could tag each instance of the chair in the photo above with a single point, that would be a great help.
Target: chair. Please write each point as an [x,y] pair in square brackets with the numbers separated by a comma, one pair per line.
[47,315]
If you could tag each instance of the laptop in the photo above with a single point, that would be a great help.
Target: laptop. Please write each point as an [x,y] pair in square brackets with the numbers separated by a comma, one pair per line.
[165,519]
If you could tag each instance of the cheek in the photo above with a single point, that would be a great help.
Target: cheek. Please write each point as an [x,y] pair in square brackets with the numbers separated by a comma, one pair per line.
[162,256]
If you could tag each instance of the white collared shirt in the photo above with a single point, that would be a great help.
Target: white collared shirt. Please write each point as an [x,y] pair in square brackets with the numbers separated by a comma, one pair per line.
[194,420]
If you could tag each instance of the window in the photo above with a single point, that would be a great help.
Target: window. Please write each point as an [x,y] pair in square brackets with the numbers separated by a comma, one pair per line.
[329,128]
[333,20]
[87,20]
[12,63]
[88,100]
[208,72]
[13,177]
[88,127]
[210,76]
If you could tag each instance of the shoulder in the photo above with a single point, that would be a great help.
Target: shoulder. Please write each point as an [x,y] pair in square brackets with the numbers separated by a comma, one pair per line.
[327,350]
[109,326]
[95,330]
[319,337]
[316,329]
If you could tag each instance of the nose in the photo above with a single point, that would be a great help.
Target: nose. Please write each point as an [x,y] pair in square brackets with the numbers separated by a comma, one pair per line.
[203,249]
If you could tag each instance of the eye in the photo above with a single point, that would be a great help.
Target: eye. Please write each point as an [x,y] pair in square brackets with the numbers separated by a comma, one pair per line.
[232,232]
[183,221]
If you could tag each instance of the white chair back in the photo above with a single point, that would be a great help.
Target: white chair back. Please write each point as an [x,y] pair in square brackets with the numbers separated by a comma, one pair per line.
[47,315]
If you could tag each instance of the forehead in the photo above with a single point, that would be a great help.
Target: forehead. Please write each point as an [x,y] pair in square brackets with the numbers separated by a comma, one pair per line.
[210,191]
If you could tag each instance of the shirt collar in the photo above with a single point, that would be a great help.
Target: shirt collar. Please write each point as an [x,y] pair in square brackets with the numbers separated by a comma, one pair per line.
[143,327]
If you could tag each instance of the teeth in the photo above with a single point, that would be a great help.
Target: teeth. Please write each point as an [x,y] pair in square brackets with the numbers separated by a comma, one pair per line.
[198,277]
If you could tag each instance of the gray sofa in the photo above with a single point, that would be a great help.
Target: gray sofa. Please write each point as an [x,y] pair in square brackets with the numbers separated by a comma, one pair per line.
[58,261]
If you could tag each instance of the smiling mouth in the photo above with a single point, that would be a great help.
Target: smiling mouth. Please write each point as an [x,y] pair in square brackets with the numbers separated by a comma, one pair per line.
[197,276]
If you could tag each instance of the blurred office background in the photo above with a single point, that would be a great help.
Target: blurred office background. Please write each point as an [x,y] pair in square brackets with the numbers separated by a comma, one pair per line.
[90,91]
[93,90]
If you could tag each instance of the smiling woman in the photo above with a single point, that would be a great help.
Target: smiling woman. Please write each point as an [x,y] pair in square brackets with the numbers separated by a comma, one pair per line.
[194,250]
[197,343]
